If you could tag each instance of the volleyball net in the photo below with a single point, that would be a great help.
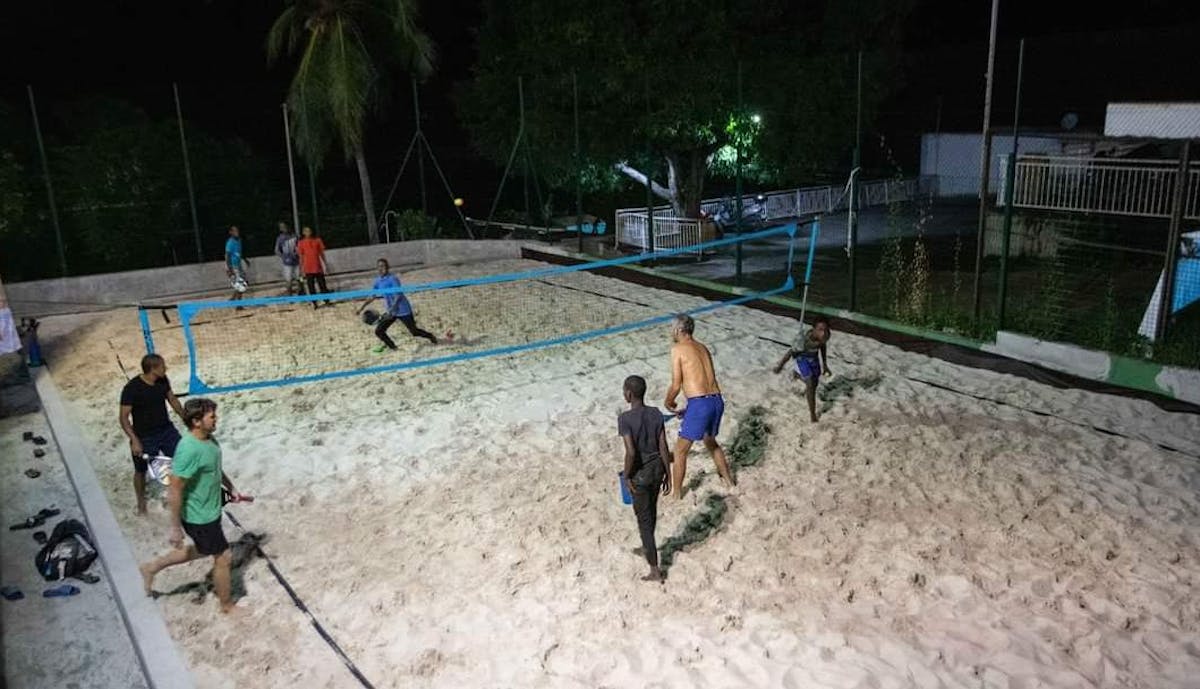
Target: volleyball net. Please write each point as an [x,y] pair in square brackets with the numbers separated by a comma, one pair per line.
[270,341]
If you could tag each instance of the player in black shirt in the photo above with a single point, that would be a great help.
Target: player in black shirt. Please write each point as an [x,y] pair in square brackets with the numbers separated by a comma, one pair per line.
[145,420]
[646,465]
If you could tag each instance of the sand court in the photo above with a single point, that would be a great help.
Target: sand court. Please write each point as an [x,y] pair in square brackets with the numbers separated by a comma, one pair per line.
[459,525]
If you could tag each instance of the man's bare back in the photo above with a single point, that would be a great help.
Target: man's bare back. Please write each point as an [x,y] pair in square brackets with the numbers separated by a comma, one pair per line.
[692,369]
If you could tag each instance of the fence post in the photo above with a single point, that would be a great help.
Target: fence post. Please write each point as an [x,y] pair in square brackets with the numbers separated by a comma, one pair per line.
[737,144]
[578,164]
[986,165]
[187,174]
[1167,299]
[852,215]
[1010,181]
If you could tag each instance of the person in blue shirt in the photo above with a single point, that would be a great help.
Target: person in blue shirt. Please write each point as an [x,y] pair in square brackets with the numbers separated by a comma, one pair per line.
[233,264]
[398,309]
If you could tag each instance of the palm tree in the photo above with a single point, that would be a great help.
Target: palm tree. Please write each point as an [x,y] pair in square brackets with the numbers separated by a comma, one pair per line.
[347,49]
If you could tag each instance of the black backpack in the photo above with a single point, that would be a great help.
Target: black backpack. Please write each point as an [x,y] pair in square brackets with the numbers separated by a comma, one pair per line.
[68,553]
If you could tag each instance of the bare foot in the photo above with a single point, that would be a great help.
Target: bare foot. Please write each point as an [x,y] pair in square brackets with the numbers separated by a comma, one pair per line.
[147,579]
[233,610]
[654,575]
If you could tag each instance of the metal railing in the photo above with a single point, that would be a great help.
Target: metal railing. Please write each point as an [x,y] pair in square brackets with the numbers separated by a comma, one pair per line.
[777,205]
[1135,187]
[669,232]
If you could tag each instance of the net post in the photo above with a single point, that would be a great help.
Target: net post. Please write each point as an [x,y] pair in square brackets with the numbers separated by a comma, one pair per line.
[144,319]
[1178,205]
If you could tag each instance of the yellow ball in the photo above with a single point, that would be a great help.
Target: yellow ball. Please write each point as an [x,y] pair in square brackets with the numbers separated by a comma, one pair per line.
[458,202]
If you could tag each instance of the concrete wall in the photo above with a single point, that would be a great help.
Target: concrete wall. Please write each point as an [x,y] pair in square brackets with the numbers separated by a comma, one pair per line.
[176,283]
[953,159]
[1178,383]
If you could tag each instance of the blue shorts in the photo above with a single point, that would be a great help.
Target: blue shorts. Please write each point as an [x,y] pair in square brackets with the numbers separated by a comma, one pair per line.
[808,367]
[702,417]
[162,440]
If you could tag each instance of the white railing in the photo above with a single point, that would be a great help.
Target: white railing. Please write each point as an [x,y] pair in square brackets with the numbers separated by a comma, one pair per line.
[1142,188]
[669,232]
[778,205]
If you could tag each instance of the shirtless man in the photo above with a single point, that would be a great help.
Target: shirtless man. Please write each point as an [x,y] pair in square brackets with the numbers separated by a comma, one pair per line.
[692,372]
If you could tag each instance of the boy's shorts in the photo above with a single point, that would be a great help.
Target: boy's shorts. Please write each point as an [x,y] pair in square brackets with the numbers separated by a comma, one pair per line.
[808,367]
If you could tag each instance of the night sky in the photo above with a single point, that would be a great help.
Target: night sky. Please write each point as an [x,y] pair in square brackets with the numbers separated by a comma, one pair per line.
[214,49]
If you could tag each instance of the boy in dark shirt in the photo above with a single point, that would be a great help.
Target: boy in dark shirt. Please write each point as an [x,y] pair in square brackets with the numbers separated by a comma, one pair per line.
[646,465]
[145,421]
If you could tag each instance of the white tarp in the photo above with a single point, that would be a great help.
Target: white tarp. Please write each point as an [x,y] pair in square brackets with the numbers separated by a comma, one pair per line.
[9,341]
[1187,284]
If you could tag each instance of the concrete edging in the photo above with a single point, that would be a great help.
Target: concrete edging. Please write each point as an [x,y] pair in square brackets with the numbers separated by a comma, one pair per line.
[161,662]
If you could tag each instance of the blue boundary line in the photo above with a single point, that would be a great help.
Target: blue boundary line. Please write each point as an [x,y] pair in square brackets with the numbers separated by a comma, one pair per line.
[188,309]
[144,319]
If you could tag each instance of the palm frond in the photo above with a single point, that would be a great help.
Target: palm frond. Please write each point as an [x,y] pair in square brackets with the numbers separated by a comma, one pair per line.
[284,35]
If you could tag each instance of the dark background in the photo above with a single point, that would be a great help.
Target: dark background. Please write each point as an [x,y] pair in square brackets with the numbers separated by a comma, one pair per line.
[1080,56]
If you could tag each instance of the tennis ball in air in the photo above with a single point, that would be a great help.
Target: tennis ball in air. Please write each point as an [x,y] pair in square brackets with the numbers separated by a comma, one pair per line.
[458,202]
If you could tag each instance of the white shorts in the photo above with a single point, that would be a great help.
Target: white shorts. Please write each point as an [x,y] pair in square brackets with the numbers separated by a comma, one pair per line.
[291,273]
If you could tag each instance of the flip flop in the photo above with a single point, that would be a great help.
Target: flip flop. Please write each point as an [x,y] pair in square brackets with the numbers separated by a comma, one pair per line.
[61,591]
[29,523]
[32,473]
[39,452]
[40,537]
[11,593]
[39,440]
[47,512]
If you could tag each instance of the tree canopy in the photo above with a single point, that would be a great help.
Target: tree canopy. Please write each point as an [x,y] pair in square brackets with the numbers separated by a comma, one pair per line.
[658,86]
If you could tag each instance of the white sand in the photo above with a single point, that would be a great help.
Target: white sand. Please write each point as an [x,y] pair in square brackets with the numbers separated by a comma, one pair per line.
[459,525]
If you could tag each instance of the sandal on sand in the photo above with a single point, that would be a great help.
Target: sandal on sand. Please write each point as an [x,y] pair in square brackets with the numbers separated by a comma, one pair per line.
[61,591]
[11,593]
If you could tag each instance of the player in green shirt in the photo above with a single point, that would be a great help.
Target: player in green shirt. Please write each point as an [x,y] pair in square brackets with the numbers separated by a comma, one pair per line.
[194,502]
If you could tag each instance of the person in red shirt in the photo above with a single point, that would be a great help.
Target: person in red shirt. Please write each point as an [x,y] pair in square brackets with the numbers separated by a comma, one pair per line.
[312,262]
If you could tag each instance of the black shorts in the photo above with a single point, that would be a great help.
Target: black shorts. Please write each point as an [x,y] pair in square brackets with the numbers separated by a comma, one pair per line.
[163,440]
[209,538]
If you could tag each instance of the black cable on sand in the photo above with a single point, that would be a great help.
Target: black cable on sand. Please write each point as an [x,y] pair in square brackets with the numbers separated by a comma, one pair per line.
[304,609]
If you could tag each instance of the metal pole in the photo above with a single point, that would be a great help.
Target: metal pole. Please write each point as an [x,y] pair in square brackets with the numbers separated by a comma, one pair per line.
[420,149]
[37,130]
[287,140]
[985,164]
[578,164]
[512,156]
[649,175]
[1167,298]
[1009,181]
[737,183]
[525,150]
[187,171]
[312,192]
[852,216]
